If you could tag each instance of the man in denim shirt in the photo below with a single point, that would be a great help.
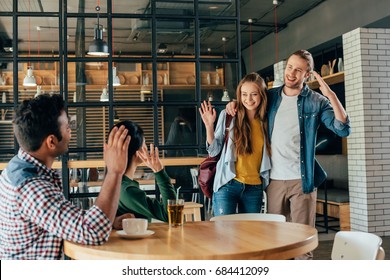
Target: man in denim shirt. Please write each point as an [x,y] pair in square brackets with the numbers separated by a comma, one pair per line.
[294,115]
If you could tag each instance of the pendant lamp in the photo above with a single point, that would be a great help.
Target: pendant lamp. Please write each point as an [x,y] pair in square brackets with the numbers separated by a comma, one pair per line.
[162,48]
[104,96]
[29,80]
[115,79]
[98,47]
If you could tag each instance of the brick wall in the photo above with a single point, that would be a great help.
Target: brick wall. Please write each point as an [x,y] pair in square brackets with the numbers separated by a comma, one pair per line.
[367,93]
[279,72]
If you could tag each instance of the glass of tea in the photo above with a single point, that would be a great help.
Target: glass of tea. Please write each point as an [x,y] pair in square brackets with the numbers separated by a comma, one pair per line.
[175,212]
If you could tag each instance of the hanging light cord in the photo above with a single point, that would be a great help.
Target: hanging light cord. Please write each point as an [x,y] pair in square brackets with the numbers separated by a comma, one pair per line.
[112,30]
[224,65]
[39,44]
[276,34]
[98,13]
[29,23]
[250,45]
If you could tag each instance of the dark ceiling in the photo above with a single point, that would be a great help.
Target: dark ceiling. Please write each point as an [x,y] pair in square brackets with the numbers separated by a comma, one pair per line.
[133,35]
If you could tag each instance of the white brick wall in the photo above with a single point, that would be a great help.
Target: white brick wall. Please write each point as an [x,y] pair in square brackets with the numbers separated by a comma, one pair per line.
[367,94]
[279,71]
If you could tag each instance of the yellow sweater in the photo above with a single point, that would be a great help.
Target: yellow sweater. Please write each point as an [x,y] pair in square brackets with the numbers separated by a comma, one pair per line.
[248,165]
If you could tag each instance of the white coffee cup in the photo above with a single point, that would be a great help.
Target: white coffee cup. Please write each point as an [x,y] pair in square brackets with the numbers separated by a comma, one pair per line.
[135,225]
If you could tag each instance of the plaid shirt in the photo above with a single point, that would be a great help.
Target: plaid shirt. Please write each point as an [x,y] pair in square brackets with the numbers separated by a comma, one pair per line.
[35,216]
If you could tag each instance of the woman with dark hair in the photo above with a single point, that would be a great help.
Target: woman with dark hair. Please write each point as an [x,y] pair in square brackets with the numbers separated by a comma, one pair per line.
[132,198]
[243,169]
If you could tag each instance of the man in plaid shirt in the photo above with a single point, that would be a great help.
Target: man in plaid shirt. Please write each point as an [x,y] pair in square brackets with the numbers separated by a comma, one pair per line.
[35,217]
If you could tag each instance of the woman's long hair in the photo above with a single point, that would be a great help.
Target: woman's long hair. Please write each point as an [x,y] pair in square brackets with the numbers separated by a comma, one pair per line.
[242,128]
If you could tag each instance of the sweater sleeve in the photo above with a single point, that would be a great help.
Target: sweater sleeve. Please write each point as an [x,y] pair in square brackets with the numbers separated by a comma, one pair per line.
[166,188]
[134,200]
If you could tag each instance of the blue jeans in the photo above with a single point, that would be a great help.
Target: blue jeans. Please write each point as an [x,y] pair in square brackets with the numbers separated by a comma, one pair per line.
[236,196]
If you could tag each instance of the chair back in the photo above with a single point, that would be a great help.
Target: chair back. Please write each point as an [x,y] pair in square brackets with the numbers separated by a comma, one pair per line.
[381,254]
[355,245]
[195,185]
[250,217]
[194,176]
[264,206]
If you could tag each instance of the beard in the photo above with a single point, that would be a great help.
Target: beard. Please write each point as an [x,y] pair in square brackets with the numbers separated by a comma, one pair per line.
[296,84]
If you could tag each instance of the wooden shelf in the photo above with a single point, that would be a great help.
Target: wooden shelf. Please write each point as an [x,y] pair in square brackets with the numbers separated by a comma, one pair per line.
[330,80]
[180,75]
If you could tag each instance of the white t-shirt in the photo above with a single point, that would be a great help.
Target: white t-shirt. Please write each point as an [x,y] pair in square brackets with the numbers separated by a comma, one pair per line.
[285,141]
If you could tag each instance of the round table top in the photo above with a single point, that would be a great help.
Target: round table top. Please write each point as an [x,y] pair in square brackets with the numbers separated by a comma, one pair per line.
[217,240]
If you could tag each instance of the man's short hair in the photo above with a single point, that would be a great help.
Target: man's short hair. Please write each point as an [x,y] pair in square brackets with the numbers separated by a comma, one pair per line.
[37,118]
[306,55]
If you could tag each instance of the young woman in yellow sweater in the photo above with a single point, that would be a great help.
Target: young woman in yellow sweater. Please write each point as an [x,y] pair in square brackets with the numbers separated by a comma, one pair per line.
[243,169]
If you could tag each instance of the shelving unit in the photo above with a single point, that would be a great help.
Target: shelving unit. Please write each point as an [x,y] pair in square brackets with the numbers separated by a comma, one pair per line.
[330,80]
[180,77]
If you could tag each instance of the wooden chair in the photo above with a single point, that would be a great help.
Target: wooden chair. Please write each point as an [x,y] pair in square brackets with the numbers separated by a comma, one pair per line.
[265,201]
[195,184]
[381,254]
[192,211]
[250,217]
[356,245]
[207,202]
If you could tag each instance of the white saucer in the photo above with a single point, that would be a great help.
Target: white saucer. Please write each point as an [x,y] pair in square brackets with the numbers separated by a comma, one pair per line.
[145,234]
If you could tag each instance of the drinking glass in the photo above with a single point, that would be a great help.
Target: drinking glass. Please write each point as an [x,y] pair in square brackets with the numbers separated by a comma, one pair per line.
[175,212]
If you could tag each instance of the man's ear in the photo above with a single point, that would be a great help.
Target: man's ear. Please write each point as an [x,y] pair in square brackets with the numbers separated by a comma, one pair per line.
[307,75]
[51,142]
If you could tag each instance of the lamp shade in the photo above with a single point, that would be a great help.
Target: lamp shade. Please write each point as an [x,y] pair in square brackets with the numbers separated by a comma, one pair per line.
[98,47]
[225,96]
[162,48]
[104,96]
[29,80]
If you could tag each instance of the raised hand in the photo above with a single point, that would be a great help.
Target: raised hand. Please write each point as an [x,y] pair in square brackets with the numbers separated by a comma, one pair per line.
[151,159]
[338,108]
[323,86]
[208,114]
[115,157]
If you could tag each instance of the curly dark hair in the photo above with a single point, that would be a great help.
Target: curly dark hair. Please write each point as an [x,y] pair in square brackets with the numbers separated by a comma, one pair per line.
[137,137]
[37,118]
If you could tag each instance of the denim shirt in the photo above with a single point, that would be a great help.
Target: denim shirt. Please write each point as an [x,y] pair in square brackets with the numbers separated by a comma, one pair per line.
[313,109]
[226,168]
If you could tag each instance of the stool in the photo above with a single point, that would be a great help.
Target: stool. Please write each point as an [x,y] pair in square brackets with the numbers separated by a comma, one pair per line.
[192,211]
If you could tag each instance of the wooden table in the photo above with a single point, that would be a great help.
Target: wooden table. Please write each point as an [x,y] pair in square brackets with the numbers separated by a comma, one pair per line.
[230,240]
